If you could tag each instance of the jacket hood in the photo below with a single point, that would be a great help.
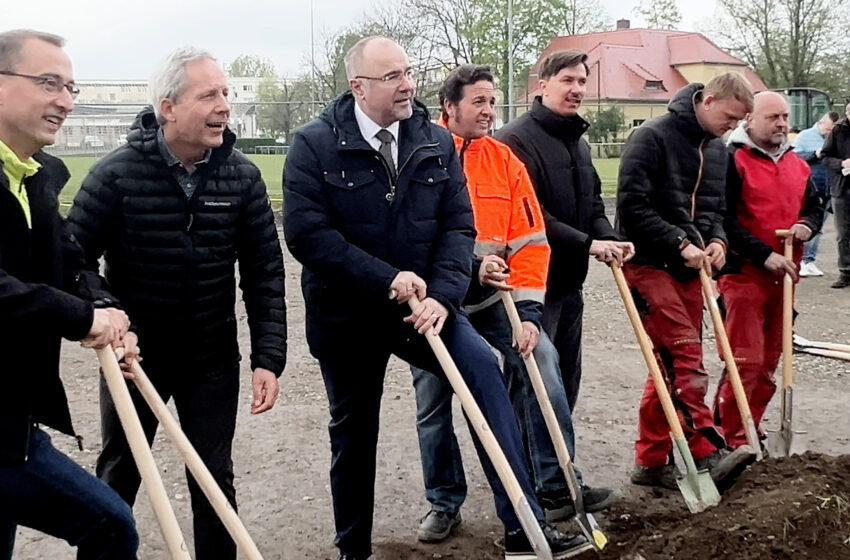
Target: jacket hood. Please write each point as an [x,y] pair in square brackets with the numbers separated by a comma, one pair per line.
[683,107]
[571,127]
[339,114]
[143,131]
[740,137]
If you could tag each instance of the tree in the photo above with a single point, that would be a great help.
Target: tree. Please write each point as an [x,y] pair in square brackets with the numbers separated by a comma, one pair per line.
[283,106]
[250,66]
[659,14]
[582,17]
[787,42]
[605,124]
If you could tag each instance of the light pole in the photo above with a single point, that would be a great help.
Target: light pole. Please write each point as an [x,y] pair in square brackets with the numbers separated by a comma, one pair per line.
[510,60]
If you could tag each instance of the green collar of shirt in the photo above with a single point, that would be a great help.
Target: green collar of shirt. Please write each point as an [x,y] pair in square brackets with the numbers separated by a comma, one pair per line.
[16,171]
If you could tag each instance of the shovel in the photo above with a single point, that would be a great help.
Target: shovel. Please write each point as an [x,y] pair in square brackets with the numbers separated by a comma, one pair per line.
[195,464]
[817,348]
[491,445]
[589,527]
[697,487]
[731,366]
[780,443]
[142,454]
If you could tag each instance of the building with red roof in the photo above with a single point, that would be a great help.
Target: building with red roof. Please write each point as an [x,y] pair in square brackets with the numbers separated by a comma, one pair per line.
[639,70]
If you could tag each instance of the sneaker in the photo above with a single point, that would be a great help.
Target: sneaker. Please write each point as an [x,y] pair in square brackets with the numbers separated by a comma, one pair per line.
[437,525]
[664,476]
[810,269]
[558,505]
[726,466]
[561,544]
[842,282]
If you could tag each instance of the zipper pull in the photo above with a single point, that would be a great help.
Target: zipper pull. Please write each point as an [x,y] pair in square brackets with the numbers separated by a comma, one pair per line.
[191,221]
[390,196]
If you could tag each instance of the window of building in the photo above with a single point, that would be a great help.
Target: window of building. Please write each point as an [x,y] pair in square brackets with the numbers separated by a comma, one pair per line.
[112,97]
[637,122]
[247,87]
[653,85]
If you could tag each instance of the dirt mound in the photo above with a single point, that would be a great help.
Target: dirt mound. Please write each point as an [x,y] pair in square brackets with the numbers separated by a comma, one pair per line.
[797,507]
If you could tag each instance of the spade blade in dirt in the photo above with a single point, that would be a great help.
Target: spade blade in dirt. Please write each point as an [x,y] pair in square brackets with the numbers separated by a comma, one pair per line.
[697,487]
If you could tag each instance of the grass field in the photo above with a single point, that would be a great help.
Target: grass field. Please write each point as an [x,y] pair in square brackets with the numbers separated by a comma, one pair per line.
[272,169]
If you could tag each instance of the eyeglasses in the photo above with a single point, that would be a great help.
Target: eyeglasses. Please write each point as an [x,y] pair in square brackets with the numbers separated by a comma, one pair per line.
[50,84]
[393,78]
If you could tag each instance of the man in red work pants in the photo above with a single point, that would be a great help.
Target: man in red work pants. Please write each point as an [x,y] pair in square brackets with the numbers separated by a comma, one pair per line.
[670,203]
[769,187]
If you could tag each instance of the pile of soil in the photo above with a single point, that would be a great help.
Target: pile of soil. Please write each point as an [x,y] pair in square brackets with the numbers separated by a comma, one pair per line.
[796,507]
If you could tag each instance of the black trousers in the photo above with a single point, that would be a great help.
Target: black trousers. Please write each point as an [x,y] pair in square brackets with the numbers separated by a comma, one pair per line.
[206,406]
[562,321]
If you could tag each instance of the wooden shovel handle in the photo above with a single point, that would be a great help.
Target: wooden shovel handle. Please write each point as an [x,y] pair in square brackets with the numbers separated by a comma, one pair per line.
[787,315]
[196,465]
[725,347]
[142,454]
[648,355]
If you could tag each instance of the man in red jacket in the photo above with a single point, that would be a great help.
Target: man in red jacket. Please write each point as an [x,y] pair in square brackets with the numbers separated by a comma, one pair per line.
[768,187]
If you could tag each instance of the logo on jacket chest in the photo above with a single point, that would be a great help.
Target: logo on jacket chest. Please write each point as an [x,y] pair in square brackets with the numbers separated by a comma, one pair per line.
[218,203]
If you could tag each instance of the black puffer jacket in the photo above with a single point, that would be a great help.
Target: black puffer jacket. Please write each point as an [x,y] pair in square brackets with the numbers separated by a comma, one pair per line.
[170,260]
[835,150]
[38,267]
[672,186]
[558,161]
[353,237]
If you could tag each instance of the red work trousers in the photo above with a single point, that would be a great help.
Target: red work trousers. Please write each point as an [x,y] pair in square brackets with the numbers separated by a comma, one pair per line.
[672,316]
[753,300]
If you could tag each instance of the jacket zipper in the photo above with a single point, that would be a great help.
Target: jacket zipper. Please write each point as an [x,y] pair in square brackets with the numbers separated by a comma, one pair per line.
[696,186]
[391,195]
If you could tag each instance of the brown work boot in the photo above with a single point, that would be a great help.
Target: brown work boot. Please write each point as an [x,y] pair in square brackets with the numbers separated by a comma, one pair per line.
[663,476]
[842,282]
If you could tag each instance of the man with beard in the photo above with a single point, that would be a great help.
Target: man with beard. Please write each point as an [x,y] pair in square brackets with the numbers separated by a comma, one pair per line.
[376,203]
[548,139]
[670,201]
[768,188]
[511,237]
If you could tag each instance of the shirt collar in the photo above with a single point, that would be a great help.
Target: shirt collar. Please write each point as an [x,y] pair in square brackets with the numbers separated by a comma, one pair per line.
[368,127]
[170,159]
[14,166]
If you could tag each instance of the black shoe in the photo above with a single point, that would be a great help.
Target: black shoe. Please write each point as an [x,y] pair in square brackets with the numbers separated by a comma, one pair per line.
[726,466]
[842,282]
[346,556]
[437,525]
[558,505]
[664,476]
[561,544]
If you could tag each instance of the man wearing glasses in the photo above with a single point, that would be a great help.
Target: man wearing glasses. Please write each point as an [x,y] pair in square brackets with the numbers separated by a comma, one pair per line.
[39,265]
[376,203]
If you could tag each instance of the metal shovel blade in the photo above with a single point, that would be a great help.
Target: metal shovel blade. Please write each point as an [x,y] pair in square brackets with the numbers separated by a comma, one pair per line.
[782,443]
[697,487]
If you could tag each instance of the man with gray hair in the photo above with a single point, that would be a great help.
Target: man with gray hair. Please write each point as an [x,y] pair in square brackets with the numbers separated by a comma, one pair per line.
[172,211]
[45,295]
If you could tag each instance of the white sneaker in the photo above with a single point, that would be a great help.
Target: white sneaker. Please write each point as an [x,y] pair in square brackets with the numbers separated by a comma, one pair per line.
[804,270]
[813,270]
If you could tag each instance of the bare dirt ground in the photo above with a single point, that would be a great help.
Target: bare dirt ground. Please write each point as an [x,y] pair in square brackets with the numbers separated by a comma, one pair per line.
[282,457]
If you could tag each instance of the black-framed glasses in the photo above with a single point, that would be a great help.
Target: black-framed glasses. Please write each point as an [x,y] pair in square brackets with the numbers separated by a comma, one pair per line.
[393,78]
[51,84]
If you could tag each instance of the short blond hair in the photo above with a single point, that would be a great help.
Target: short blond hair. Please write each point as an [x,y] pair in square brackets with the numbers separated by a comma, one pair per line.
[731,85]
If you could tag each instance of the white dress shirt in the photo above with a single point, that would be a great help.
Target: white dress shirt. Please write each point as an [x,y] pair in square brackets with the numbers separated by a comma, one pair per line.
[369,128]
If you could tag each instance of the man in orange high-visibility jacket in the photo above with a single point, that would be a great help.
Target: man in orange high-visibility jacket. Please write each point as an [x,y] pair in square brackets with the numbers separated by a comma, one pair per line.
[512,234]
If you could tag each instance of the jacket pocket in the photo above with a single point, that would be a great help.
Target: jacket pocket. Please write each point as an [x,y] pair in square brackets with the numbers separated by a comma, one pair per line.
[349,181]
[492,209]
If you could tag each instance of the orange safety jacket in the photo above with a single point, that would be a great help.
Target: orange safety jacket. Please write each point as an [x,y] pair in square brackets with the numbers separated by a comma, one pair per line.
[508,219]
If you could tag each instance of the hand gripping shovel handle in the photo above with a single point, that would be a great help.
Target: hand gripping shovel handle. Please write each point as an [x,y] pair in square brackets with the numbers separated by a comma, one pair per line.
[731,365]
[698,490]
[197,467]
[488,441]
[142,454]
[586,521]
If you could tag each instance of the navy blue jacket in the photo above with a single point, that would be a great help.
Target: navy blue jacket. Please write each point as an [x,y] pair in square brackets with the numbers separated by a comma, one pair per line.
[353,236]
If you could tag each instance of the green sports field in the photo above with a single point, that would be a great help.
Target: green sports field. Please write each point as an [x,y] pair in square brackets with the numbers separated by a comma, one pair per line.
[272,168]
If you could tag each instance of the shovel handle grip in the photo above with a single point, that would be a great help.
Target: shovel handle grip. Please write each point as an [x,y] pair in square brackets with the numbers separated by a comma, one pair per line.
[648,355]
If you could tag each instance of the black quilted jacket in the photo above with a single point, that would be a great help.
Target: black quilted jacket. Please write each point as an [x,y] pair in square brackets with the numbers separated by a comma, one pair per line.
[171,260]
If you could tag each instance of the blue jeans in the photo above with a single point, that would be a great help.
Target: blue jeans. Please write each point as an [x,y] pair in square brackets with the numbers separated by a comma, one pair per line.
[445,486]
[354,383]
[820,179]
[54,495]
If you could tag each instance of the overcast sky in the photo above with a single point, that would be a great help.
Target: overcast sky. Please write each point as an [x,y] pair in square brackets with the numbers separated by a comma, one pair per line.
[111,39]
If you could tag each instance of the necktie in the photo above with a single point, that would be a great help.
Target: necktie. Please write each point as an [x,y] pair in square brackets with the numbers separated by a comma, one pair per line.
[386,138]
